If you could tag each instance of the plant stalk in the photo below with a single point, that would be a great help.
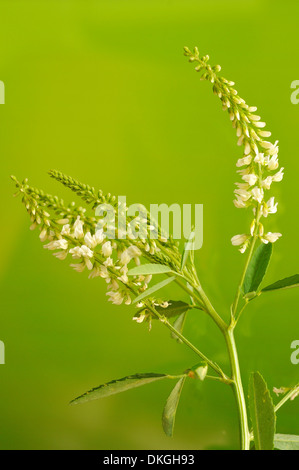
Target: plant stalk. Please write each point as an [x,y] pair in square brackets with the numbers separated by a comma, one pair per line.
[238,387]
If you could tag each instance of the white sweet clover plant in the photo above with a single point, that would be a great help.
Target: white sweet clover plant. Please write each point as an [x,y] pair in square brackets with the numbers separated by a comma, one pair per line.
[70,231]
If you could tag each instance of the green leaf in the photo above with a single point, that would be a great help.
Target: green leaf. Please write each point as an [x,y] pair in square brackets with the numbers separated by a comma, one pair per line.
[286,442]
[153,289]
[189,247]
[262,412]
[175,308]
[257,268]
[118,386]
[286,283]
[169,412]
[179,326]
[146,269]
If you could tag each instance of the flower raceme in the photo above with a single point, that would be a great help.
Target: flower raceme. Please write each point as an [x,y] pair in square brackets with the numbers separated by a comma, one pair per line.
[69,231]
[259,167]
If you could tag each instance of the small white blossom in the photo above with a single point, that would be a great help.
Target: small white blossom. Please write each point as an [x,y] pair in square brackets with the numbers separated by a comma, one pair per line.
[107,249]
[260,158]
[43,235]
[94,273]
[239,203]
[115,297]
[239,239]
[61,254]
[251,179]
[271,237]
[66,230]
[257,194]
[79,267]
[278,176]
[90,240]
[244,161]
[78,228]
[266,183]
[243,194]
[99,236]
[273,163]
[108,262]
[57,245]
[140,318]
[270,207]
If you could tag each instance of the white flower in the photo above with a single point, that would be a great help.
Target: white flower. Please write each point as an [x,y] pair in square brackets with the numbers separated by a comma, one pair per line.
[76,252]
[239,203]
[260,158]
[88,264]
[61,254]
[243,248]
[86,252]
[124,279]
[108,262]
[257,194]
[273,149]
[278,176]
[78,228]
[43,235]
[266,183]
[57,245]
[107,249]
[62,221]
[113,285]
[251,179]
[79,267]
[99,236]
[271,237]
[90,240]
[239,239]
[273,163]
[104,272]
[270,207]
[81,251]
[244,161]
[148,279]
[94,273]
[243,194]
[125,257]
[134,251]
[66,230]
[245,171]
[115,297]
[140,318]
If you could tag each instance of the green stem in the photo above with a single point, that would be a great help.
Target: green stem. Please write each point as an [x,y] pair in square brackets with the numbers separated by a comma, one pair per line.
[237,298]
[212,364]
[238,388]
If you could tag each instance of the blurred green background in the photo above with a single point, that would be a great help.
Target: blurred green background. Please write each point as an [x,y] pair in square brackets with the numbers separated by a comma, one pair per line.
[101,91]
